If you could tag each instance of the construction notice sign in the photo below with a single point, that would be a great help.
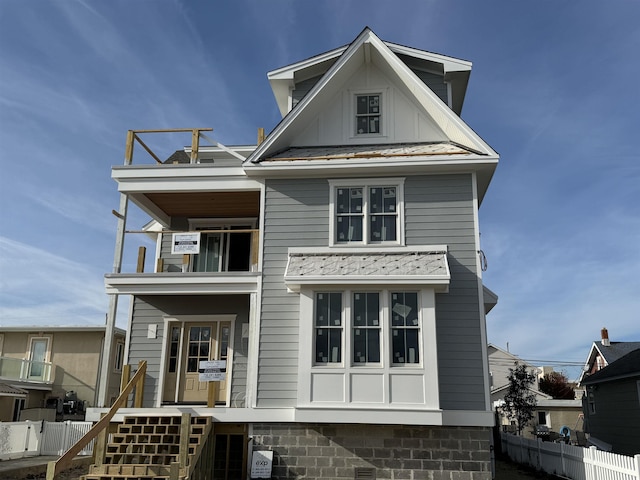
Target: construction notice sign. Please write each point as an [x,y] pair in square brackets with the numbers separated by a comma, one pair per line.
[185,243]
[261,463]
[212,370]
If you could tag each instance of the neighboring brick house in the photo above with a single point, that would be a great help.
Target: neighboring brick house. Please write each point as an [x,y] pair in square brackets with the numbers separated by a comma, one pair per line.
[338,274]
[40,363]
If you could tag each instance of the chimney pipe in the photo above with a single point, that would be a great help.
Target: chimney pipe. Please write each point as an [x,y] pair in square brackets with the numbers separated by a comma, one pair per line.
[605,337]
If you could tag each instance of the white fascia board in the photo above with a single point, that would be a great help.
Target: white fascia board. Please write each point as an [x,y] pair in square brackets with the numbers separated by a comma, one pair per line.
[179,284]
[440,283]
[367,250]
[186,170]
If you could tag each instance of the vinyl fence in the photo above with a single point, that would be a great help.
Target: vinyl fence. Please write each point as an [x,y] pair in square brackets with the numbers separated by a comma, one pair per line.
[30,439]
[576,463]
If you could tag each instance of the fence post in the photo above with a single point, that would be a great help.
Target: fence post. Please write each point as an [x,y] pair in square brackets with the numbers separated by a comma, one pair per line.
[591,470]
[563,461]
[65,438]
[636,466]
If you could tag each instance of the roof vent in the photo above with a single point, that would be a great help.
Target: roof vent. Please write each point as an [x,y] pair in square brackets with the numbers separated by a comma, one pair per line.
[605,337]
[365,473]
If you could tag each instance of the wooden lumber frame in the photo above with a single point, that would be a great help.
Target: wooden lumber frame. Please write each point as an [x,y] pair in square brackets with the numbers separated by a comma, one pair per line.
[133,137]
[55,467]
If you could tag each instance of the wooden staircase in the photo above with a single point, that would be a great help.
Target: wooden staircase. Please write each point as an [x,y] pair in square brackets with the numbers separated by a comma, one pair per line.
[153,448]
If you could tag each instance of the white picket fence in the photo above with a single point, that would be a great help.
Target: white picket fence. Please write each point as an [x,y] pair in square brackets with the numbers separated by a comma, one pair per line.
[569,461]
[30,439]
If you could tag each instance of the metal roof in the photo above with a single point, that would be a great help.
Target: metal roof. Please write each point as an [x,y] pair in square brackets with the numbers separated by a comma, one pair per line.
[374,268]
[369,151]
[9,391]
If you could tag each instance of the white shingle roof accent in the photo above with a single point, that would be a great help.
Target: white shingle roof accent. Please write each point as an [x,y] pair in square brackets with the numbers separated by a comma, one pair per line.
[413,267]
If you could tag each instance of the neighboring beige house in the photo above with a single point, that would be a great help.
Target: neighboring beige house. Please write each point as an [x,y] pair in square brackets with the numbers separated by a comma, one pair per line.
[40,363]
[549,412]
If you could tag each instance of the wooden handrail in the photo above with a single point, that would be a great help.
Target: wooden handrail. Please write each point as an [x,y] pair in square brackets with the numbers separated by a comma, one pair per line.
[53,468]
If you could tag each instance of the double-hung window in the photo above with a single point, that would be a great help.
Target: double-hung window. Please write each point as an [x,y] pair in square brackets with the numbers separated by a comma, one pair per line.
[405,328]
[328,327]
[367,213]
[368,114]
[366,327]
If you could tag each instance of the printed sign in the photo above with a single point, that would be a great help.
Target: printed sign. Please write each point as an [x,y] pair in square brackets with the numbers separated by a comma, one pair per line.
[188,242]
[261,463]
[212,370]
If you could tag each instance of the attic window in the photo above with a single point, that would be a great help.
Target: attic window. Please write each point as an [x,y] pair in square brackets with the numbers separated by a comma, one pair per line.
[368,114]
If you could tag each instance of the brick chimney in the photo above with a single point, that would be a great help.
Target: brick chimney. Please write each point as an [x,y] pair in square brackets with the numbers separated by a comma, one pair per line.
[605,337]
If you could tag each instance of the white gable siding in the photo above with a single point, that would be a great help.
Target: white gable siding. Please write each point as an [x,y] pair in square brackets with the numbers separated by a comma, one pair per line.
[402,119]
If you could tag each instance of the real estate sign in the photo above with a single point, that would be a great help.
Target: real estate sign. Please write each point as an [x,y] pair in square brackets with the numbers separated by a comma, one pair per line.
[188,242]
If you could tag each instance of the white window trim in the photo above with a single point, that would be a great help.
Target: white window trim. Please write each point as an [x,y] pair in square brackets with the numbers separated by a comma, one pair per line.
[385,113]
[365,183]
[32,338]
[427,368]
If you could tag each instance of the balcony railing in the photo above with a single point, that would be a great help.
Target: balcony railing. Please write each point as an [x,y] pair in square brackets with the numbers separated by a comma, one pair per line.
[221,251]
[19,370]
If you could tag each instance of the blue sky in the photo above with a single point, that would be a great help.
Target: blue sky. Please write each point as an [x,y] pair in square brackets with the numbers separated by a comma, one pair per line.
[554,89]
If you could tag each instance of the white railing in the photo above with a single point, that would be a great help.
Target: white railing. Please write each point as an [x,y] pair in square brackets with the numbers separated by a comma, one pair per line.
[569,461]
[30,439]
[17,369]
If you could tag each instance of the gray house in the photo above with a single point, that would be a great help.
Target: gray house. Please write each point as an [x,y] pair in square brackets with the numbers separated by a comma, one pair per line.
[336,271]
[612,404]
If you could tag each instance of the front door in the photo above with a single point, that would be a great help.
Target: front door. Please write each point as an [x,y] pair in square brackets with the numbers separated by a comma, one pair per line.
[189,344]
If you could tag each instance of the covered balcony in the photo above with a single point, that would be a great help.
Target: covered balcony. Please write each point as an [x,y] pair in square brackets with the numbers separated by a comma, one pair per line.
[199,196]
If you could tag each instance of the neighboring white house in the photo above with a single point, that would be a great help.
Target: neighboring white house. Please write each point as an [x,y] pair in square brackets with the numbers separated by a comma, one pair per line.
[338,273]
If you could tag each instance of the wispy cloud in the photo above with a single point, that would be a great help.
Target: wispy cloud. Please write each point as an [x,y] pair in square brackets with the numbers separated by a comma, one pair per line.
[38,287]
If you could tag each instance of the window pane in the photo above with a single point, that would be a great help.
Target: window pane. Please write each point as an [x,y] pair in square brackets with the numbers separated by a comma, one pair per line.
[342,200]
[194,333]
[375,199]
[322,309]
[359,345]
[192,365]
[356,200]
[373,345]
[362,105]
[389,199]
[335,345]
[335,309]
[322,345]
[374,124]
[398,345]
[373,309]
[413,349]
[349,229]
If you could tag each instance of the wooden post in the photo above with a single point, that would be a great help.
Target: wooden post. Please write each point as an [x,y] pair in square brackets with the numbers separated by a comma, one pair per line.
[174,471]
[100,446]
[137,402]
[260,135]
[142,252]
[128,151]
[126,376]
[185,432]
[195,144]
[51,471]
[159,265]
[185,262]
[255,246]
[212,393]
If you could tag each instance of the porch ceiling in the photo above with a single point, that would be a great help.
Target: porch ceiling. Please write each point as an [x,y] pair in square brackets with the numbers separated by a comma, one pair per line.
[207,204]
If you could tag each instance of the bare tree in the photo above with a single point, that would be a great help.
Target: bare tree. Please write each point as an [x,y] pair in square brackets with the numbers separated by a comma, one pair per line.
[519,402]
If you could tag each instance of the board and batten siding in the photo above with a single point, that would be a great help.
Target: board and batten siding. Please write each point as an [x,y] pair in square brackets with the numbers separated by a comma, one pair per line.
[296,215]
[439,209]
[152,310]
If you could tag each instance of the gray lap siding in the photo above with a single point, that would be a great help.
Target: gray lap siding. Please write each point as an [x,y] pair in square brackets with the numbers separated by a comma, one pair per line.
[439,209]
[151,310]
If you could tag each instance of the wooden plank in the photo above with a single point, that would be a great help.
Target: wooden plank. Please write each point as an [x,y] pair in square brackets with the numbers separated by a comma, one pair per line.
[67,458]
[212,390]
[174,130]
[185,431]
[142,252]
[126,373]
[149,151]
[128,150]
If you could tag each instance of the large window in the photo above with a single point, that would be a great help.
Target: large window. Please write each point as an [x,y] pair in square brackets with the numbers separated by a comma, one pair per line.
[328,327]
[405,327]
[371,316]
[368,114]
[366,327]
[367,214]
